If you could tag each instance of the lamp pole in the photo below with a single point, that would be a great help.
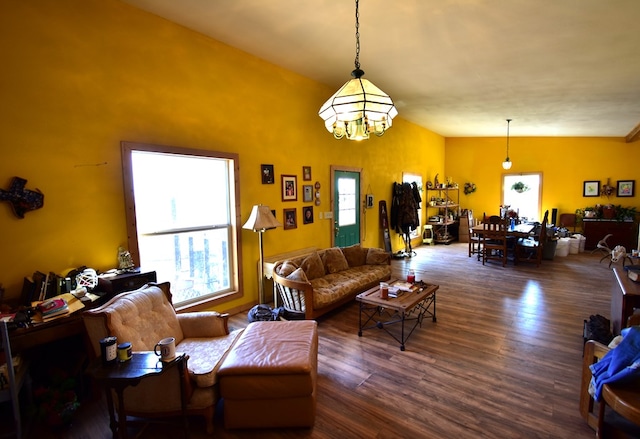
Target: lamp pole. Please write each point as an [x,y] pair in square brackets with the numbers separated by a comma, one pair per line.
[261,269]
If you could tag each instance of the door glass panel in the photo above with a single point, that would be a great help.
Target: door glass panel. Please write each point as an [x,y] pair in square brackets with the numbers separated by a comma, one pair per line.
[347,204]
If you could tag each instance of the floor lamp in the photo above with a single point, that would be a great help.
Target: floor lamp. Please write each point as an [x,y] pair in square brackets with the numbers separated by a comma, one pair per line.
[261,220]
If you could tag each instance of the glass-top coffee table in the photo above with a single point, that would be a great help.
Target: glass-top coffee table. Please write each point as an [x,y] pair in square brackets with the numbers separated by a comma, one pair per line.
[411,305]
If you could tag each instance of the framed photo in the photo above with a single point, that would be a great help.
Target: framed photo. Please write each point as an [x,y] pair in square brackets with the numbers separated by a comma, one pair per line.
[267,174]
[290,219]
[306,173]
[307,215]
[626,188]
[307,193]
[289,188]
[591,188]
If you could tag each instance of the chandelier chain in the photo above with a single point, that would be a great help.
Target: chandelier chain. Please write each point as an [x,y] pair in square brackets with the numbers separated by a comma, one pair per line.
[357,60]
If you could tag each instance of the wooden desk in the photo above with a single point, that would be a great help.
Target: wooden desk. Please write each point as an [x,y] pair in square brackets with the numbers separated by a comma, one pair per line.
[625,296]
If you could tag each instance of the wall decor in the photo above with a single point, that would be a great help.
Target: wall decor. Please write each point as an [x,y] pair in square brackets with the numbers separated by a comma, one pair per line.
[317,194]
[591,188]
[306,173]
[369,201]
[267,174]
[290,219]
[289,188]
[626,188]
[307,215]
[307,193]
[22,200]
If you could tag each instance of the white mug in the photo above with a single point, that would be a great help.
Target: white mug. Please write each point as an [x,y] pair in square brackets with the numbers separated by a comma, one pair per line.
[167,348]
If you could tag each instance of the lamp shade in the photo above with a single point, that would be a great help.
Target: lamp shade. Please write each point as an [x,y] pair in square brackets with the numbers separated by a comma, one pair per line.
[261,219]
[356,109]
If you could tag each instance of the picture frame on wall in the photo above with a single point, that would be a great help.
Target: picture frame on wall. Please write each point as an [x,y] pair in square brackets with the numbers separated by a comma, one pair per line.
[307,193]
[626,188]
[591,188]
[290,219]
[307,215]
[306,173]
[289,188]
[267,174]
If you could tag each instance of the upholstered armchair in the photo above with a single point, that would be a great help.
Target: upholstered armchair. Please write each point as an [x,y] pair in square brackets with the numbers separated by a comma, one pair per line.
[144,317]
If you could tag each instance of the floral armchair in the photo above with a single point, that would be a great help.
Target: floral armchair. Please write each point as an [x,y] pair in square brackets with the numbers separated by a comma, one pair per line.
[145,316]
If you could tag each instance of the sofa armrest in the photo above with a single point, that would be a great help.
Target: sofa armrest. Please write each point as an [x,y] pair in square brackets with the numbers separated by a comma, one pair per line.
[295,295]
[203,324]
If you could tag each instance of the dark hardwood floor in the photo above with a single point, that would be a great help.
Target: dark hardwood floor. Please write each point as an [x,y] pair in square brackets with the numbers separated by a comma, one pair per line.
[502,361]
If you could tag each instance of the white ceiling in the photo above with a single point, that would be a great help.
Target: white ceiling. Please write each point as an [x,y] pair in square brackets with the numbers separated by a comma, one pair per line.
[456,67]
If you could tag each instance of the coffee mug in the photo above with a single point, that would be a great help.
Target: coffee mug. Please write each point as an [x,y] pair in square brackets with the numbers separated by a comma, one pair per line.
[167,349]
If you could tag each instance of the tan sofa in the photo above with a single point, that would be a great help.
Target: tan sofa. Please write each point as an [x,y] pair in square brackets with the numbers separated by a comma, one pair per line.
[145,316]
[324,280]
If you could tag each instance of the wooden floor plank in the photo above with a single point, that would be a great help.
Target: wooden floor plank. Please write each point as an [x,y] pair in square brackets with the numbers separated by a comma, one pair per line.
[503,359]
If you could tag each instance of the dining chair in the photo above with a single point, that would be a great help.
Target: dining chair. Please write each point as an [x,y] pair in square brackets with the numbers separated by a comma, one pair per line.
[531,248]
[568,221]
[16,375]
[494,238]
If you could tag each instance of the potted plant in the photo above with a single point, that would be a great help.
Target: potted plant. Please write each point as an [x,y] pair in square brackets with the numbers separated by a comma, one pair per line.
[608,211]
[589,212]
[519,187]
[625,213]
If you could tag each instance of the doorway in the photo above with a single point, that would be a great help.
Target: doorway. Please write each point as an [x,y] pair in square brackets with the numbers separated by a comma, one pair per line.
[346,206]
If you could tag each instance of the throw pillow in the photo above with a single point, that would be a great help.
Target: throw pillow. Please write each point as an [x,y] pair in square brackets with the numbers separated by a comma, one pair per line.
[298,275]
[355,255]
[312,266]
[287,268]
[377,256]
[334,260]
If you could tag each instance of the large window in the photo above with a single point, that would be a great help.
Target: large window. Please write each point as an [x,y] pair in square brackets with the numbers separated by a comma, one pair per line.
[182,221]
[527,200]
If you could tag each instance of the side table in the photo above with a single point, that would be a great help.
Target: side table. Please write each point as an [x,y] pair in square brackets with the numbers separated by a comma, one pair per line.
[118,376]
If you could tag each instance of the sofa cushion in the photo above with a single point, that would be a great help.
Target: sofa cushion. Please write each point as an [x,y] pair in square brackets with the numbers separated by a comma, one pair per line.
[334,260]
[206,355]
[312,266]
[355,255]
[298,275]
[377,256]
[287,268]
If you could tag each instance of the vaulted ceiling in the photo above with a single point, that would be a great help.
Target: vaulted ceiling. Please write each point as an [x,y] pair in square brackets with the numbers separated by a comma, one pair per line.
[456,67]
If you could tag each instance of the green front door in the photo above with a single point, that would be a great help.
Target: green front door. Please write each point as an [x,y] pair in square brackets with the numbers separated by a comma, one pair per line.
[346,209]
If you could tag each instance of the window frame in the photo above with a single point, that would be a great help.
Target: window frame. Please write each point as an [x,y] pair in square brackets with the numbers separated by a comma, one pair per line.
[235,237]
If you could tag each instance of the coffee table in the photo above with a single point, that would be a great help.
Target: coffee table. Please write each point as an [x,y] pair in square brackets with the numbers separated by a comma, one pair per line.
[408,306]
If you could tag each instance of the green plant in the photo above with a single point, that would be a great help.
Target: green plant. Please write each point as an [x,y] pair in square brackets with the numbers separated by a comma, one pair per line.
[519,186]
[625,213]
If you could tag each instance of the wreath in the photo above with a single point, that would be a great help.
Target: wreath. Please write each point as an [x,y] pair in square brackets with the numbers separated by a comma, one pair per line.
[469,188]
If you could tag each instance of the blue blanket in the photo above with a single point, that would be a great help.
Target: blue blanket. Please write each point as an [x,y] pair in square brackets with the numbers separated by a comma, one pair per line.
[619,364]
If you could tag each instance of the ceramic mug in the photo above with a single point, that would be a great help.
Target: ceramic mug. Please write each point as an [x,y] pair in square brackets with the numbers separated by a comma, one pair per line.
[166,349]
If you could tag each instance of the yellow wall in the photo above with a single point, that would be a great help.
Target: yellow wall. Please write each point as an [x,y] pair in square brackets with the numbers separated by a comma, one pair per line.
[565,163]
[80,76]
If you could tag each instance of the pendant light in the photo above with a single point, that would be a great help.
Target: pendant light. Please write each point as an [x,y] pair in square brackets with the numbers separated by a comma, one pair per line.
[358,108]
[507,163]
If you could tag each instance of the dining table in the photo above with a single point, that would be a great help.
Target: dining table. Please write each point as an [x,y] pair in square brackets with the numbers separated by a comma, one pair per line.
[522,230]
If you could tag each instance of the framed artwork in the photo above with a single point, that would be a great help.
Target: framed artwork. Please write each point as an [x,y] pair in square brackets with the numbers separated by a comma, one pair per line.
[307,215]
[307,193]
[290,220]
[591,188]
[267,174]
[626,188]
[289,188]
[306,173]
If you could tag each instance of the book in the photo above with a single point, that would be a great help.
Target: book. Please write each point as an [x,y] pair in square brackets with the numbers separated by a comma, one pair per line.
[52,307]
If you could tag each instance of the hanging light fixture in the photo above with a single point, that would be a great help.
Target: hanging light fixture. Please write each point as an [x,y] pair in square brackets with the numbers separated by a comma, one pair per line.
[507,163]
[358,108]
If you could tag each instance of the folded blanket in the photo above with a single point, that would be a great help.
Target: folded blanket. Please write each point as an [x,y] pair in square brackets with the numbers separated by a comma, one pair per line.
[619,364]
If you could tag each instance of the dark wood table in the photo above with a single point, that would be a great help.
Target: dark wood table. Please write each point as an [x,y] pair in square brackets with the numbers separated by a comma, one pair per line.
[519,231]
[382,312]
[118,376]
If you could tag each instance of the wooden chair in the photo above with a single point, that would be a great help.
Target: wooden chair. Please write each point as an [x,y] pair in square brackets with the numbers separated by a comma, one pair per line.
[568,221]
[475,242]
[528,249]
[623,399]
[494,239]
